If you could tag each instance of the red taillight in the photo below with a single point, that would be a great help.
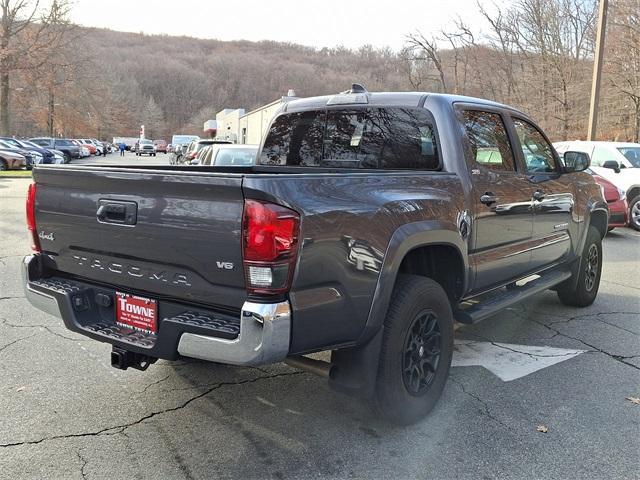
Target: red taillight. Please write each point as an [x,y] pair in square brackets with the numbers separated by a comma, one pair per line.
[270,241]
[31,217]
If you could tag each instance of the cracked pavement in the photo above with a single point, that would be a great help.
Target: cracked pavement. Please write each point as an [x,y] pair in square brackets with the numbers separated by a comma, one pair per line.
[67,414]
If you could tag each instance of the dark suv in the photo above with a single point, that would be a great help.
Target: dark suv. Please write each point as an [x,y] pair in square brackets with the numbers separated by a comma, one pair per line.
[64,145]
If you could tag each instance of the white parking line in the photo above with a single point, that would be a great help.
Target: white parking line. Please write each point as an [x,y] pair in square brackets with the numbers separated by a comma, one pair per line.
[507,361]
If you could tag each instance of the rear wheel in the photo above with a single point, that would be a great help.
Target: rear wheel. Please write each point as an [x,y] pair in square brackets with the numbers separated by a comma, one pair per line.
[416,350]
[634,213]
[584,292]
[3,165]
[67,158]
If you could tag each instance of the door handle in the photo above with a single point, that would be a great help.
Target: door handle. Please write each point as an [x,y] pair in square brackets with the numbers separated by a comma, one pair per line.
[488,198]
[538,195]
[118,212]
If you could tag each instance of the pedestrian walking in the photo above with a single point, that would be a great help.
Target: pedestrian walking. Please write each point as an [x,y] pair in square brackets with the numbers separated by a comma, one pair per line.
[122,148]
[104,150]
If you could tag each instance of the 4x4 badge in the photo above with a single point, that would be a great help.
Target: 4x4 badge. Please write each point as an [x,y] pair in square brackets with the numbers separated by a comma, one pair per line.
[47,236]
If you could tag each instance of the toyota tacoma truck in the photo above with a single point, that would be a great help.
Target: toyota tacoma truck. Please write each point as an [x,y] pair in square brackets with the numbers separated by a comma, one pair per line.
[370,223]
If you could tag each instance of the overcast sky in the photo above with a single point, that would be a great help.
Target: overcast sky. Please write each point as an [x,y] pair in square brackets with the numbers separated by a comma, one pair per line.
[316,23]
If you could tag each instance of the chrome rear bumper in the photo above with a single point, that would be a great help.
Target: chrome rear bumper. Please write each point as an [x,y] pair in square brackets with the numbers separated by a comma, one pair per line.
[265,329]
[264,334]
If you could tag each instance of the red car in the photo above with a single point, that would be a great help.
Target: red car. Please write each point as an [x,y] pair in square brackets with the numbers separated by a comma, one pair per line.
[161,146]
[92,149]
[617,201]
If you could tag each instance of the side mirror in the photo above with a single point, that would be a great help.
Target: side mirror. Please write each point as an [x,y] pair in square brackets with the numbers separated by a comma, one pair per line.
[612,164]
[575,161]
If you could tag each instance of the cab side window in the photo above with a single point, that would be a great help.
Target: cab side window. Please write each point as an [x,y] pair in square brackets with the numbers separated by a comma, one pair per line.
[537,152]
[488,139]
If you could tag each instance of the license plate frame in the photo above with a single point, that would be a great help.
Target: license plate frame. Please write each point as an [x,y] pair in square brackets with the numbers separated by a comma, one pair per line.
[136,312]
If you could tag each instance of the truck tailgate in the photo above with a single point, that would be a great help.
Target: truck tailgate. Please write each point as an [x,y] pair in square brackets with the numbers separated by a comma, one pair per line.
[170,234]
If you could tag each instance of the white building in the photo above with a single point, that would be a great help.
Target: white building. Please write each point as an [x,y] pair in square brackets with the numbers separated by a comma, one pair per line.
[248,128]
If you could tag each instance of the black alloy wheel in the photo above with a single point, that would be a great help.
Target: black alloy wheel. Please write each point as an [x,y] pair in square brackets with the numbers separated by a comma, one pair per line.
[591,268]
[422,353]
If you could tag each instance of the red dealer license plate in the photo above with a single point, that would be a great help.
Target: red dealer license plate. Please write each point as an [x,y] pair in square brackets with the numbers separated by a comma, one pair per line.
[137,312]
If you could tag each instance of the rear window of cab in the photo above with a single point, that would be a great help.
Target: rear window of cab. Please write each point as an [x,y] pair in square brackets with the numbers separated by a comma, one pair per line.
[365,138]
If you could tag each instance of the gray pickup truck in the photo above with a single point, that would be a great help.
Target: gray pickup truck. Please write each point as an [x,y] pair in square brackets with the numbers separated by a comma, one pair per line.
[370,224]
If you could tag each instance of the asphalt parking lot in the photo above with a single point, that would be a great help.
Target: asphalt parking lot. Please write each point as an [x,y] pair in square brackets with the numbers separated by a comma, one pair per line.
[67,414]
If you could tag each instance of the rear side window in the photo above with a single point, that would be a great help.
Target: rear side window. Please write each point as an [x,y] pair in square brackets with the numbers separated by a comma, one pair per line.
[600,155]
[490,146]
[372,138]
[235,156]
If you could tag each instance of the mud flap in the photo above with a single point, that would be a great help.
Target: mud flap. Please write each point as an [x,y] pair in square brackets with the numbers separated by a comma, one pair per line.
[355,369]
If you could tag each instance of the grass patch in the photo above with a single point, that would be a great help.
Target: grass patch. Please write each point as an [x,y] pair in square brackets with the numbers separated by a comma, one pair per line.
[15,173]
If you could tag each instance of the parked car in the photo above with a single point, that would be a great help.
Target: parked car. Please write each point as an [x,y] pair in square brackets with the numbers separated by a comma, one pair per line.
[161,146]
[64,145]
[97,146]
[364,230]
[615,197]
[195,146]
[619,163]
[83,143]
[58,157]
[39,155]
[201,156]
[10,159]
[145,147]
[228,155]
[28,156]
[86,150]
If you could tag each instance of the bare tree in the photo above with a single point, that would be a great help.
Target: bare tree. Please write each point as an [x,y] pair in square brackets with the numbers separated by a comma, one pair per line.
[623,64]
[26,32]
[426,50]
[462,41]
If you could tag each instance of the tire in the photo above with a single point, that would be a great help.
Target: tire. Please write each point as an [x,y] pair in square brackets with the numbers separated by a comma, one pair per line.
[419,321]
[634,213]
[585,290]
[67,158]
[3,165]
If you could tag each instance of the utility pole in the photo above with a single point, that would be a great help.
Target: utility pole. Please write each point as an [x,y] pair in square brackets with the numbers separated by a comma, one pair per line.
[597,70]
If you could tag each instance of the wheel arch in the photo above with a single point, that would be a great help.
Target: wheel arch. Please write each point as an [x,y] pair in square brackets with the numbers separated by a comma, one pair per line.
[633,192]
[356,367]
[599,218]
[415,241]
